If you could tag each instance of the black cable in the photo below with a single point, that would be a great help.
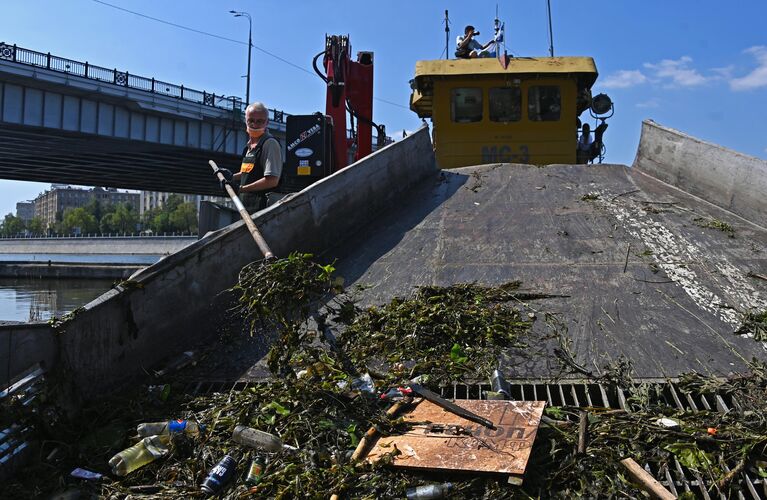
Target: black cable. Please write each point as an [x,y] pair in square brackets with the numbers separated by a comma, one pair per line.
[316,69]
[213,35]
[200,32]
[365,119]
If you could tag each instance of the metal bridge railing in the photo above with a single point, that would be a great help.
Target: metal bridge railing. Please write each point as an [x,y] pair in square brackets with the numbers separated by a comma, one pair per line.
[123,78]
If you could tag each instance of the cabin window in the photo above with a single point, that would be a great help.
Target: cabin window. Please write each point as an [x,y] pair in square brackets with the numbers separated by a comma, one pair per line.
[505,104]
[544,103]
[466,105]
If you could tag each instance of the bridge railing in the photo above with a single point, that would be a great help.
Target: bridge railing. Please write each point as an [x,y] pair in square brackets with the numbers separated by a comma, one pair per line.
[114,76]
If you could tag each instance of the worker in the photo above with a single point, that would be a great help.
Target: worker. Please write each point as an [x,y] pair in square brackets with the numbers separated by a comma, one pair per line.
[585,145]
[589,149]
[261,165]
[467,47]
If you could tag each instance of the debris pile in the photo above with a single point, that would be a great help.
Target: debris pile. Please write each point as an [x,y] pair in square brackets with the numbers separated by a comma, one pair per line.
[293,435]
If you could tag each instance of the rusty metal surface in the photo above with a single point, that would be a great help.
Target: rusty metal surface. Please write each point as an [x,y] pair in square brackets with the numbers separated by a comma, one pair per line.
[643,279]
[461,445]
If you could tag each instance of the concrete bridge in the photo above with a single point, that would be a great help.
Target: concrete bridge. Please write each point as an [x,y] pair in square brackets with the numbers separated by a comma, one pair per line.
[72,122]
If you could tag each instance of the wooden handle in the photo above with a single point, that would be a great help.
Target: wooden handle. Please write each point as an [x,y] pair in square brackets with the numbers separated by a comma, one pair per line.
[260,241]
[363,447]
[646,481]
[583,424]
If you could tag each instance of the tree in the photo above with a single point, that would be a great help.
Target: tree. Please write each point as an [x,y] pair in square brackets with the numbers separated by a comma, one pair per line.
[96,209]
[172,203]
[184,218]
[122,218]
[79,220]
[36,226]
[12,225]
[160,223]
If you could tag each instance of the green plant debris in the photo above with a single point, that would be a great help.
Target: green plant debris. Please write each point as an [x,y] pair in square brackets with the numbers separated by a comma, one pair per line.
[590,197]
[58,324]
[450,333]
[715,224]
[754,325]
[445,333]
[280,295]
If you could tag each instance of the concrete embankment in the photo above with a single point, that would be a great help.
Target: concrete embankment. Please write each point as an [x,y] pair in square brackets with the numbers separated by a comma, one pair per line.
[84,257]
[174,303]
[128,245]
[42,270]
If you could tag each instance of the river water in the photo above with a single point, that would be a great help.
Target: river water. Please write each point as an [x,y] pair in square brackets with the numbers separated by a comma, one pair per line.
[40,299]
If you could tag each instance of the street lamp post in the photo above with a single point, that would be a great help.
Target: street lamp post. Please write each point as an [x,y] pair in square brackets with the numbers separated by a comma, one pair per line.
[250,46]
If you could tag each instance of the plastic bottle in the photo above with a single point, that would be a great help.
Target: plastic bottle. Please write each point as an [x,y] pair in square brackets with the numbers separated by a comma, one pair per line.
[429,492]
[179,426]
[258,439]
[145,451]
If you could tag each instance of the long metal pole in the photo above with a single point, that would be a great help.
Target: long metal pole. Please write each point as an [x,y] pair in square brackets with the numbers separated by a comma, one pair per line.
[254,232]
[447,36]
[551,32]
[250,46]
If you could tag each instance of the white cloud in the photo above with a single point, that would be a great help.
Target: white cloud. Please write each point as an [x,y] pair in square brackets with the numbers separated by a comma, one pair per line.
[723,73]
[652,103]
[676,72]
[623,79]
[758,77]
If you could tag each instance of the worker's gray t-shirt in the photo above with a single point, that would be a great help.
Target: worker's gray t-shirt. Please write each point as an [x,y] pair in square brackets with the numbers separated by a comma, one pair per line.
[271,154]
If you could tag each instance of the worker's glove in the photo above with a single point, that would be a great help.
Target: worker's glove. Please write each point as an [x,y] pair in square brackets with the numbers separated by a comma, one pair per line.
[228,177]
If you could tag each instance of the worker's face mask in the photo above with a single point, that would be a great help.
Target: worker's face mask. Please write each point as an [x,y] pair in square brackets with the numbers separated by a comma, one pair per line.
[256,126]
[256,133]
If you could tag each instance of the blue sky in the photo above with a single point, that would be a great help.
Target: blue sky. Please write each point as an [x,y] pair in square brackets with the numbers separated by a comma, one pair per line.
[697,66]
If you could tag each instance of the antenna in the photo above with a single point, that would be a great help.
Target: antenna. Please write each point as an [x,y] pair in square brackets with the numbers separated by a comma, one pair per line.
[551,33]
[447,36]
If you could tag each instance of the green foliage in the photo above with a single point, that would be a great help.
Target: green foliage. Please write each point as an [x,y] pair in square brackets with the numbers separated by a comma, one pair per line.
[451,333]
[11,225]
[690,455]
[184,218]
[36,226]
[174,215]
[715,224]
[79,219]
[754,325]
[280,294]
[120,218]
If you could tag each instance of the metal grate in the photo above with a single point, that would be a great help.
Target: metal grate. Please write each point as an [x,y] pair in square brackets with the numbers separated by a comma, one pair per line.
[673,475]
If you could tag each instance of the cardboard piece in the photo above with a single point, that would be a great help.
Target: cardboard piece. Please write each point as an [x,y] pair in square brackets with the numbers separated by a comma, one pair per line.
[442,440]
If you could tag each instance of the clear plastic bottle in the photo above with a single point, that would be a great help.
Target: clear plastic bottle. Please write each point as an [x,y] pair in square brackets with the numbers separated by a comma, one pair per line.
[429,492]
[145,451]
[179,426]
[258,439]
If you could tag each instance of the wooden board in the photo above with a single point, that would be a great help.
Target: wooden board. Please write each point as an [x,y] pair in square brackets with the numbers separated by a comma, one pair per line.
[478,449]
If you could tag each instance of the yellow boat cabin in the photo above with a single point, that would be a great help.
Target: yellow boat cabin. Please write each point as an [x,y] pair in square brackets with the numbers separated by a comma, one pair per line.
[517,110]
